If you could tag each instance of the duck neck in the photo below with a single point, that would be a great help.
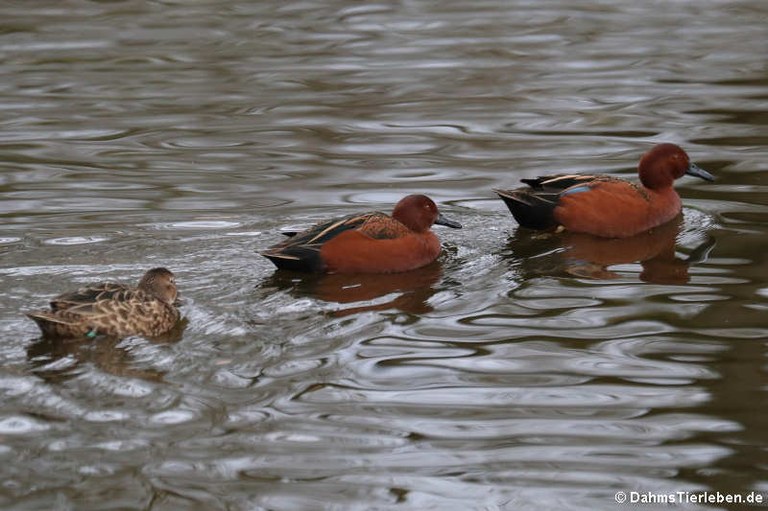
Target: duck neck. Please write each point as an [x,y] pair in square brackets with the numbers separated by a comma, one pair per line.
[656,181]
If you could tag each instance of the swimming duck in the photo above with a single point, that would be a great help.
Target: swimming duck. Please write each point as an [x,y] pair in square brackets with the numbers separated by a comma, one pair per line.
[604,205]
[113,309]
[366,243]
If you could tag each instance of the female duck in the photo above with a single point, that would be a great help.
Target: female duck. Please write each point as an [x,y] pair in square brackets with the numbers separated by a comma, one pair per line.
[603,205]
[366,243]
[113,309]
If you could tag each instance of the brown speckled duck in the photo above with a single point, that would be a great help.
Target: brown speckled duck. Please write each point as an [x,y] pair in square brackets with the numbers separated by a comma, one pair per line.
[113,309]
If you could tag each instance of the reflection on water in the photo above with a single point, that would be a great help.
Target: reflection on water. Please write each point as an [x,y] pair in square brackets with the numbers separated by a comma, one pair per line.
[58,359]
[184,134]
[584,255]
[408,292]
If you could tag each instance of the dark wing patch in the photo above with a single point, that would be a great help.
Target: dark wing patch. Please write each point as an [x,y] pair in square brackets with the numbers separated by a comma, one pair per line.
[301,251]
[320,233]
[560,182]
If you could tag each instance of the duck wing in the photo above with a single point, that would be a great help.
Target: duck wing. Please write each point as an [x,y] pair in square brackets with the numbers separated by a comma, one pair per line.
[90,295]
[561,182]
[301,251]
[109,304]
[533,205]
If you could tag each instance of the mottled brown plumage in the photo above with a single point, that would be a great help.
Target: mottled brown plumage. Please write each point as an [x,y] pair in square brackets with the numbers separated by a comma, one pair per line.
[113,309]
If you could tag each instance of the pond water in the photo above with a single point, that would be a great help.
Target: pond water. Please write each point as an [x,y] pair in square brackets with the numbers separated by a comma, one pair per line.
[519,371]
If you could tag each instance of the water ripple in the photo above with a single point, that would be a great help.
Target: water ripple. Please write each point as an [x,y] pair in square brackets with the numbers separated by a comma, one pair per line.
[521,371]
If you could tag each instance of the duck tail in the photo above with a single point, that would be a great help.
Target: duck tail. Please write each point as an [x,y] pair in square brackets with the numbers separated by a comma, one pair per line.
[49,324]
[44,317]
[530,209]
[295,259]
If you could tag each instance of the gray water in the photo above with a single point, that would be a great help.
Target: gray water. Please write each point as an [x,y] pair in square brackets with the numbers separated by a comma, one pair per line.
[519,371]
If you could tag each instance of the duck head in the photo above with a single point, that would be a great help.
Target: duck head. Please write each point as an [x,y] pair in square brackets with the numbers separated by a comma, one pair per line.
[160,283]
[419,212]
[664,163]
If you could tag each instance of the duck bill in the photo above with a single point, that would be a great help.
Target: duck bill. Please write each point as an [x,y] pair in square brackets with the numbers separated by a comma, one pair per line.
[441,220]
[696,171]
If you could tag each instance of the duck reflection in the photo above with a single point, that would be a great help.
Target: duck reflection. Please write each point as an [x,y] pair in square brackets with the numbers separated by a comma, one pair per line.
[48,356]
[584,255]
[411,289]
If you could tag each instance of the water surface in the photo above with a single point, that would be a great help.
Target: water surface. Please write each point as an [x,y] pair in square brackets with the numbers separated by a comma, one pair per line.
[519,371]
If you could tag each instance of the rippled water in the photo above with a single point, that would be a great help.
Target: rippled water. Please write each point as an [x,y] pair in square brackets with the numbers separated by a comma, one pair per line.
[519,371]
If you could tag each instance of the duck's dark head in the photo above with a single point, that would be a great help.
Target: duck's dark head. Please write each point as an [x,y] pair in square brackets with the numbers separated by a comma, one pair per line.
[419,212]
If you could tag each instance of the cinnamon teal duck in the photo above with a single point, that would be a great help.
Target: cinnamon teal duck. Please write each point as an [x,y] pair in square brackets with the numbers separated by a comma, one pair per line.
[604,205]
[371,242]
